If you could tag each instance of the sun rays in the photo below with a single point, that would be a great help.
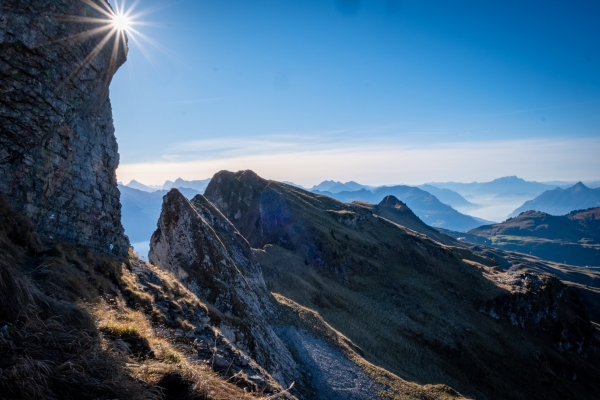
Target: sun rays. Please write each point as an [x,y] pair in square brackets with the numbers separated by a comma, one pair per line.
[114,26]
[121,22]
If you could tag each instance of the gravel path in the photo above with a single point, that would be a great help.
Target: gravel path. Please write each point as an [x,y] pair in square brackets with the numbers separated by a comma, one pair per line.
[333,375]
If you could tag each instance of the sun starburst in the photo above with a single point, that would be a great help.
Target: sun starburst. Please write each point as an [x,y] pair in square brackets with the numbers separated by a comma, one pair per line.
[121,22]
[115,25]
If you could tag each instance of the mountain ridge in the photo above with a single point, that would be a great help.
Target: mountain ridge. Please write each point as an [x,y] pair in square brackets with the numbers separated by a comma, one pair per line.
[317,253]
[573,238]
[562,201]
[424,204]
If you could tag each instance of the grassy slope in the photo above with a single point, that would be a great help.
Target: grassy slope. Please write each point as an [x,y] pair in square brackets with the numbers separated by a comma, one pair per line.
[409,304]
[79,325]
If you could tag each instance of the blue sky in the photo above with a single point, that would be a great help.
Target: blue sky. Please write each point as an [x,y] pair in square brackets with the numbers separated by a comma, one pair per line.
[377,91]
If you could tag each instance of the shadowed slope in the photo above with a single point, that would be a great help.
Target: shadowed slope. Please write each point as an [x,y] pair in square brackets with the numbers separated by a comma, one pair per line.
[426,312]
[75,324]
[396,211]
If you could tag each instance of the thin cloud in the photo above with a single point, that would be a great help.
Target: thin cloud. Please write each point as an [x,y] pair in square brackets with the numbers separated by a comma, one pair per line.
[390,163]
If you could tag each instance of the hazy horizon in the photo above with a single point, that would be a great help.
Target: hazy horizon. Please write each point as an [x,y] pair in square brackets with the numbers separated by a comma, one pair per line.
[308,186]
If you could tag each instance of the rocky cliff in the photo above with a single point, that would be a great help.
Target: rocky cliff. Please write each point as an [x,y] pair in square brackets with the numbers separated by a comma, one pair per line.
[196,243]
[58,152]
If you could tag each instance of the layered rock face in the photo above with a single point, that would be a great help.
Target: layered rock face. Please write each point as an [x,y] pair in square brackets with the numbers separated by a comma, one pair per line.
[196,243]
[58,152]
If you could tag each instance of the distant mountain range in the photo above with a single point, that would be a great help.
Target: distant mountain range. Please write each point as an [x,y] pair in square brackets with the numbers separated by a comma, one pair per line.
[425,205]
[434,203]
[573,238]
[562,201]
[140,211]
[337,187]
[446,196]
[199,185]
[507,184]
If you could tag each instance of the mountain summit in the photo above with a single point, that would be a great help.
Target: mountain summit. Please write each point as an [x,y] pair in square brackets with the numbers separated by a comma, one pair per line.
[562,201]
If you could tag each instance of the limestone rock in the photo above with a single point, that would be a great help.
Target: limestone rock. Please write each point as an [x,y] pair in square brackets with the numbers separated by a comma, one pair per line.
[204,251]
[58,152]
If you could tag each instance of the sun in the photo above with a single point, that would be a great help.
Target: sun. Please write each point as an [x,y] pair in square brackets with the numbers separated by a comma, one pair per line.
[121,22]
[116,23]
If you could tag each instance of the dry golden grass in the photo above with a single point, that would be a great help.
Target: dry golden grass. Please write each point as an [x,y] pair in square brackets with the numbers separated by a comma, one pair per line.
[398,388]
[79,325]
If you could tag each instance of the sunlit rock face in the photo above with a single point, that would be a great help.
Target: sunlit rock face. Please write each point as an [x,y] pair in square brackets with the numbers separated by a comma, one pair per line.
[58,152]
[196,243]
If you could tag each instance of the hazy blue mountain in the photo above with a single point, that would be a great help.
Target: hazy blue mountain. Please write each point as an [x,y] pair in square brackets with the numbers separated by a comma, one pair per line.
[562,201]
[507,185]
[447,196]
[326,185]
[513,184]
[199,185]
[294,184]
[140,186]
[593,184]
[425,205]
[567,184]
[140,211]
[336,187]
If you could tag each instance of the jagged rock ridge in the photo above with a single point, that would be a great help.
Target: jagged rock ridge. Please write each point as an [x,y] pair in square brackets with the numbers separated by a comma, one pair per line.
[203,249]
[58,152]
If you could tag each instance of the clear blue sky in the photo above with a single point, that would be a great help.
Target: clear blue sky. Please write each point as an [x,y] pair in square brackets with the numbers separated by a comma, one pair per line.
[377,91]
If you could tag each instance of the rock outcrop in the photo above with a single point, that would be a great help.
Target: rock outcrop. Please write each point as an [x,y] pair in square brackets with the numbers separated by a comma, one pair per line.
[196,243]
[545,303]
[58,152]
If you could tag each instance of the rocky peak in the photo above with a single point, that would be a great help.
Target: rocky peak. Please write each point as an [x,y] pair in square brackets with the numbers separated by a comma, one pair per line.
[58,152]
[392,201]
[207,254]
[237,195]
[578,187]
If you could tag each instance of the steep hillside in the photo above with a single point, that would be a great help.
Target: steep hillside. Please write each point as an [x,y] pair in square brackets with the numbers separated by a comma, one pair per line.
[76,324]
[572,239]
[424,204]
[217,264]
[562,201]
[422,311]
[396,211]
